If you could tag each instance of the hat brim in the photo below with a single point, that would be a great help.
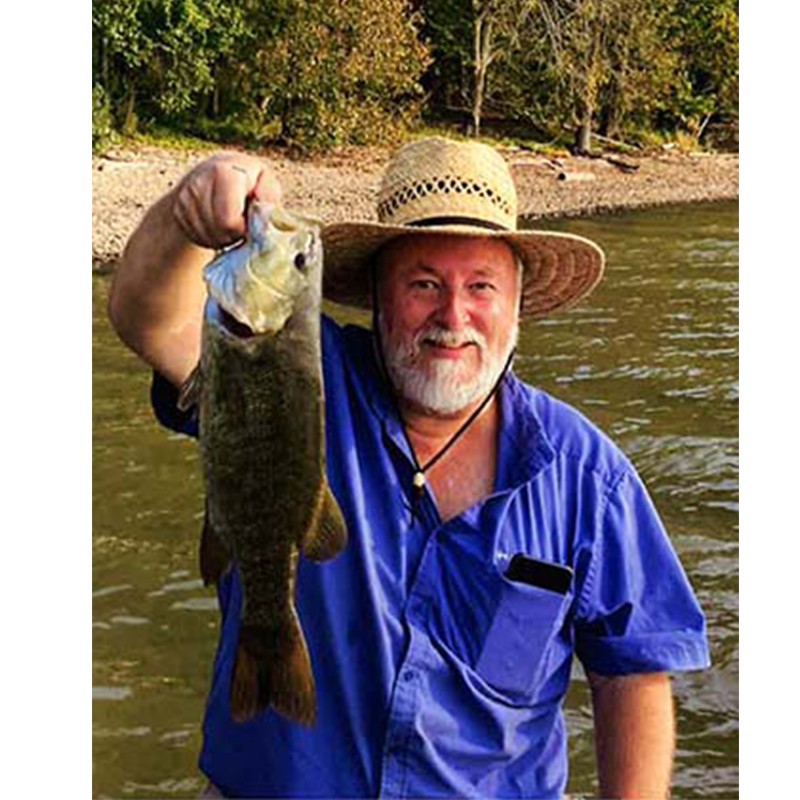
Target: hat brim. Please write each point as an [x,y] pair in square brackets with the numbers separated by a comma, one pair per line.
[559,269]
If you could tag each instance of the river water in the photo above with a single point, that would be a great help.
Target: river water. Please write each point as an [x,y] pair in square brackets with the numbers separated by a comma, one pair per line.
[651,357]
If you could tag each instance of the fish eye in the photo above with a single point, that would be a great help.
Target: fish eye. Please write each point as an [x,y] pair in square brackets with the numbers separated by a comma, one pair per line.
[300,261]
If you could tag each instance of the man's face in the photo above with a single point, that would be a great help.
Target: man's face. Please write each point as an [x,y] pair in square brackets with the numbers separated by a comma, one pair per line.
[448,318]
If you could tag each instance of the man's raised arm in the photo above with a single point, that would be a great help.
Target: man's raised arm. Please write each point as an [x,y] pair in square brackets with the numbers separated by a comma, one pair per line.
[157,295]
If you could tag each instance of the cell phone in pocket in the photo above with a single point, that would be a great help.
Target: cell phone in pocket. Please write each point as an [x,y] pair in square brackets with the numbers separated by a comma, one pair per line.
[554,577]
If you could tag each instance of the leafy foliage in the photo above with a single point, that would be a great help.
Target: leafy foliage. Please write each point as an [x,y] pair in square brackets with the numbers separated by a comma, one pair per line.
[706,34]
[102,121]
[317,74]
[339,72]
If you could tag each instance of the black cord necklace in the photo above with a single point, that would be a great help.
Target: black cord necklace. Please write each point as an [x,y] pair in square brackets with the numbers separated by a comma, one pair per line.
[419,481]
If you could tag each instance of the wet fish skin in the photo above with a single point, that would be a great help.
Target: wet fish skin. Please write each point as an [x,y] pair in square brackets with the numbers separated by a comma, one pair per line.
[262,447]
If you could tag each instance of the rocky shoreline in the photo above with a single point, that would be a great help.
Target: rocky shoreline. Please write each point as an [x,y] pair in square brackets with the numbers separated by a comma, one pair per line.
[344,185]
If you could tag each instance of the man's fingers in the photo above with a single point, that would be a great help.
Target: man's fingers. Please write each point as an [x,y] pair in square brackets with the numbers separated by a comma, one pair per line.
[188,211]
[227,201]
[268,188]
[211,201]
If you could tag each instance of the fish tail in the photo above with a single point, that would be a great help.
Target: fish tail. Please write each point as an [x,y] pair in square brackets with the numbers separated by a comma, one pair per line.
[273,669]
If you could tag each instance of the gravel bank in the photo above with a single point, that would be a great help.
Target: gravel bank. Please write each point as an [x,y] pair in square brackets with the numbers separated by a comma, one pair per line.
[344,186]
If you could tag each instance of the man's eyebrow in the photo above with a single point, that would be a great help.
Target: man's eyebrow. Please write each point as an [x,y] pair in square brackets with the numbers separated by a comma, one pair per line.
[488,270]
[422,267]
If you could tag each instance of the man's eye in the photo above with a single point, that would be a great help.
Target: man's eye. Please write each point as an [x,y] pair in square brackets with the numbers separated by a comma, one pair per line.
[482,286]
[424,284]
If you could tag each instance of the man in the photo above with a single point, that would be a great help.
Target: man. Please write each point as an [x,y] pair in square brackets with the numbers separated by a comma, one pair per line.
[494,532]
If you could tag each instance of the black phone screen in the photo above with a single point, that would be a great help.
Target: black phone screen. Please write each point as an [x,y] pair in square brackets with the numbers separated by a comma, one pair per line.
[554,577]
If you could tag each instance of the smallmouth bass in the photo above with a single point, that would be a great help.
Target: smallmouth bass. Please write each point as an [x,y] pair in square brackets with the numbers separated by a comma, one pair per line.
[260,396]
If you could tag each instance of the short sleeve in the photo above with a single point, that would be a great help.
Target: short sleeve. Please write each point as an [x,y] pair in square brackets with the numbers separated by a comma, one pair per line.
[637,611]
[164,398]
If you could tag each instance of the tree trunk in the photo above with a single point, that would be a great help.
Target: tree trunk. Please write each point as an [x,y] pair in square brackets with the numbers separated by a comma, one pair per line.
[583,133]
[129,120]
[611,113]
[483,57]
[104,70]
[477,104]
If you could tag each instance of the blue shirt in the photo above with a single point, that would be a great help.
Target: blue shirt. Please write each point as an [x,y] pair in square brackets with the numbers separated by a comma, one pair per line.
[436,675]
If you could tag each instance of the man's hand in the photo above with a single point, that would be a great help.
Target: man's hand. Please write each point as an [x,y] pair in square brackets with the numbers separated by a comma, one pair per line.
[210,201]
[634,724]
[157,295]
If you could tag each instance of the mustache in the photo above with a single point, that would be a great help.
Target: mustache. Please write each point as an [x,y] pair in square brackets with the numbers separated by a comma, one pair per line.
[435,334]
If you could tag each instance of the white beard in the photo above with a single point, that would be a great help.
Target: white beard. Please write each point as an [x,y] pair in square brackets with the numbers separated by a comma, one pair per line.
[442,387]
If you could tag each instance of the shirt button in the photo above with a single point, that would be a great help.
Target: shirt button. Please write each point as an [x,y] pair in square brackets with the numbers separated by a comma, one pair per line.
[409,675]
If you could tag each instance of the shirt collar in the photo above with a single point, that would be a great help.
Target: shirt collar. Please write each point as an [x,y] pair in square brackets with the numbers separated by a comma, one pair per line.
[524,448]
[377,391]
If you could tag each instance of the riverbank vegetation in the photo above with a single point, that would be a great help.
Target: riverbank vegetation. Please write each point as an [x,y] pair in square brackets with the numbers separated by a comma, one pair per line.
[312,75]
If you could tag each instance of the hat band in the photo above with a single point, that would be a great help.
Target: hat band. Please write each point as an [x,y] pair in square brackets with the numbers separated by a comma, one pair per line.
[480,223]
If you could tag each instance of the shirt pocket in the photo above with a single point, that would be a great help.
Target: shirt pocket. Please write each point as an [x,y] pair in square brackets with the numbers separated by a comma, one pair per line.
[525,623]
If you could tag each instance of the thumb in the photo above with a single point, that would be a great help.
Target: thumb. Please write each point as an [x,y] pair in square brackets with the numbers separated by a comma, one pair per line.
[267,187]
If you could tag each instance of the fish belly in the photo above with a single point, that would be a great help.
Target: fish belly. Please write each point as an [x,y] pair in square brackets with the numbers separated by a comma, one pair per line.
[261,433]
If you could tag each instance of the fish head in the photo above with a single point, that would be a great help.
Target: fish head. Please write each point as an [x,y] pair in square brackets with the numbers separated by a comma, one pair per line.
[263,280]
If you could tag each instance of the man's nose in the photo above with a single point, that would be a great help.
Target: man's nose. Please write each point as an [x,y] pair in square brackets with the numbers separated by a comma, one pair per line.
[453,312]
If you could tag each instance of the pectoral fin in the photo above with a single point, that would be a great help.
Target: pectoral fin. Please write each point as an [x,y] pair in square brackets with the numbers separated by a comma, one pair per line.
[190,391]
[327,536]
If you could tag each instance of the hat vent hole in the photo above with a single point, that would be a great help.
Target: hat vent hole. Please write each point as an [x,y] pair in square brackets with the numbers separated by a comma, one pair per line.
[442,185]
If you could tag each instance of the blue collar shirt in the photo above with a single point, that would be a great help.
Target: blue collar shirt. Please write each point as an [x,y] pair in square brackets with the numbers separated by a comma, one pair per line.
[436,675]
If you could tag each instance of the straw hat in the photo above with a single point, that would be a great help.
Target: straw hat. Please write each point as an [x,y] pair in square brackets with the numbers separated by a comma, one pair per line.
[437,186]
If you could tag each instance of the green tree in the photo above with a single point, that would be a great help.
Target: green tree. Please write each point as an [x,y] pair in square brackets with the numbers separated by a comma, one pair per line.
[706,34]
[340,71]
[643,67]
[469,40]
[596,65]
[447,30]
[161,57]
[578,33]
[496,28]
[121,49]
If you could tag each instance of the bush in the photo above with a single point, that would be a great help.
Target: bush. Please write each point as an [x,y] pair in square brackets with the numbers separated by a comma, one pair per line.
[305,72]
[341,72]
[103,133]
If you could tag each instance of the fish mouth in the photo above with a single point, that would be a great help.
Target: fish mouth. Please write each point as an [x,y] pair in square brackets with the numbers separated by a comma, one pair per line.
[233,326]
[227,323]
